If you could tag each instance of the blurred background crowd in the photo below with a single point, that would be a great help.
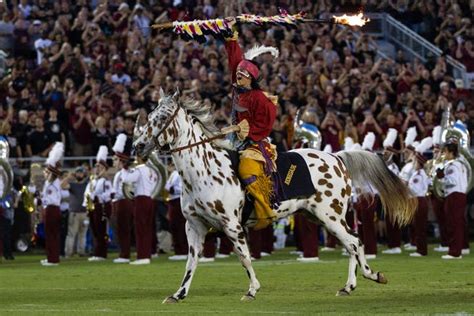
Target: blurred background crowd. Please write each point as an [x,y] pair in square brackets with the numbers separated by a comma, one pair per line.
[77,71]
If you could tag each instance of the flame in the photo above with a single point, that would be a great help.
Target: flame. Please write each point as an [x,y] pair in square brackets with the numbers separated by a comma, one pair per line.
[353,20]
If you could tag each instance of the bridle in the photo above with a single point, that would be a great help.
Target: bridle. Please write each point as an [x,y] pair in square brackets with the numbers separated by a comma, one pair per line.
[178,149]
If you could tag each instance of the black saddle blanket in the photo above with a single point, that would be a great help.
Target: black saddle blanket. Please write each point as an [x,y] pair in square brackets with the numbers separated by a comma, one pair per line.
[295,179]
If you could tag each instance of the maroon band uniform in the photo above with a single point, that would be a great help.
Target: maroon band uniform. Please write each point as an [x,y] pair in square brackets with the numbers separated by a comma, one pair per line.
[455,186]
[100,190]
[144,180]
[51,199]
[418,184]
[123,213]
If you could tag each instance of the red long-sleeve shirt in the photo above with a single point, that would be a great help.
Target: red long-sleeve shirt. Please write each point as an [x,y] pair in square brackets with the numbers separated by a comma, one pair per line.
[253,105]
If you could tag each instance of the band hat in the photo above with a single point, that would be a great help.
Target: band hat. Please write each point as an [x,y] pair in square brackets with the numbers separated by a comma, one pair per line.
[369,141]
[437,136]
[54,157]
[422,147]
[411,136]
[348,143]
[119,147]
[102,156]
[328,149]
[390,140]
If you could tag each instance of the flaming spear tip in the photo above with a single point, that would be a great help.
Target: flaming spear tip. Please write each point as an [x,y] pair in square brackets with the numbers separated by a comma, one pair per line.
[353,20]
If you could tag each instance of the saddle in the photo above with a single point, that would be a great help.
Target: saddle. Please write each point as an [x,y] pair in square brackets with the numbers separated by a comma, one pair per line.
[294,179]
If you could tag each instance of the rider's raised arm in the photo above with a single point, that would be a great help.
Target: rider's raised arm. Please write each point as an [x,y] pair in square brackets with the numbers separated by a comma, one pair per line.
[234,53]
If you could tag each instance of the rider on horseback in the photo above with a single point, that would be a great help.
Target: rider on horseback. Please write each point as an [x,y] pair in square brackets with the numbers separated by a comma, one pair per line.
[254,112]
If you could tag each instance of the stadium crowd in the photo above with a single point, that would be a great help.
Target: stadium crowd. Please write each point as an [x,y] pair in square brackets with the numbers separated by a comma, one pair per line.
[80,71]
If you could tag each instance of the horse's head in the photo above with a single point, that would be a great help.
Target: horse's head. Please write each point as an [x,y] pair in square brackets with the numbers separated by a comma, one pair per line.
[152,132]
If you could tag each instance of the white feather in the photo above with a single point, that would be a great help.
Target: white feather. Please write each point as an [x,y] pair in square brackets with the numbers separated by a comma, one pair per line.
[390,138]
[437,135]
[258,50]
[102,153]
[119,145]
[348,143]
[425,144]
[327,149]
[369,141]
[55,154]
[411,135]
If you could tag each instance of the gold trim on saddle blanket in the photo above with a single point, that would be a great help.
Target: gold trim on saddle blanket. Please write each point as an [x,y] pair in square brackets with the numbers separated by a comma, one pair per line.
[253,152]
[289,175]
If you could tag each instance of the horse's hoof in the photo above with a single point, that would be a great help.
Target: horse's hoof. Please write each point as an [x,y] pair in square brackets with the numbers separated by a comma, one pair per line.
[170,300]
[381,278]
[343,292]
[247,298]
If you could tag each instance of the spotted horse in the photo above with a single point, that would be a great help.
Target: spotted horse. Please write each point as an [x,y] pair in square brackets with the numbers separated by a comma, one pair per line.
[212,195]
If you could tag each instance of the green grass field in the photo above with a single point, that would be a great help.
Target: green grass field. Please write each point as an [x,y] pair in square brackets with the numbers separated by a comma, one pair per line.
[416,286]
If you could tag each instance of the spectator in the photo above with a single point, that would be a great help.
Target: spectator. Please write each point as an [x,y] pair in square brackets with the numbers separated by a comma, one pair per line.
[330,128]
[54,127]
[6,33]
[82,125]
[119,76]
[77,221]
[42,44]
[100,134]
[39,142]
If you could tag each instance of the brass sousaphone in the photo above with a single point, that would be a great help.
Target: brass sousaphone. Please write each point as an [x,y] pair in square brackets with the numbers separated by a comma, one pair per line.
[159,168]
[450,129]
[306,132]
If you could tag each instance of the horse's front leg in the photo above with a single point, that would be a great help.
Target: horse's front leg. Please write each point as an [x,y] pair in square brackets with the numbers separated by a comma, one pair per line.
[195,232]
[236,234]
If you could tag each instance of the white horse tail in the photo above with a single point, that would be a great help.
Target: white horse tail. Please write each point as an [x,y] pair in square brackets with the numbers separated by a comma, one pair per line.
[367,168]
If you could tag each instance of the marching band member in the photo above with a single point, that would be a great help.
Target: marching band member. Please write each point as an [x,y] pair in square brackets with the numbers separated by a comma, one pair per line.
[454,181]
[418,184]
[121,206]
[406,172]
[366,207]
[5,198]
[210,247]
[407,169]
[177,221]
[437,202]
[51,200]
[394,233]
[100,190]
[144,179]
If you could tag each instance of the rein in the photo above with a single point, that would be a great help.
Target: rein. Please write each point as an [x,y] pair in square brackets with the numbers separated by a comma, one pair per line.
[178,149]
[204,141]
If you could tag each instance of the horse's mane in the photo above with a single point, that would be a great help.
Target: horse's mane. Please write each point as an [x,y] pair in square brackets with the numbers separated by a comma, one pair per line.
[201,113]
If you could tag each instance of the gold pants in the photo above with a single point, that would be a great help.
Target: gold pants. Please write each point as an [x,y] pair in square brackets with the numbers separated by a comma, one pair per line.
[260,189]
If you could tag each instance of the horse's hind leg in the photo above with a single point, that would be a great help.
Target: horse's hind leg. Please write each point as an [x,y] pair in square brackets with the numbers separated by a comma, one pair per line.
[195,232]
[350,240]
[237,236]
[338,227]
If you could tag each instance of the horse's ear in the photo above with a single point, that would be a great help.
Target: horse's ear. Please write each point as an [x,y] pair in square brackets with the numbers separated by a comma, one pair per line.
[162,93]
[176,94]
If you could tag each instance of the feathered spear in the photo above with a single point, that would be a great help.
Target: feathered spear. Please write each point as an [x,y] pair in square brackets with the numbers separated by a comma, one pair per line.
[197,29]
